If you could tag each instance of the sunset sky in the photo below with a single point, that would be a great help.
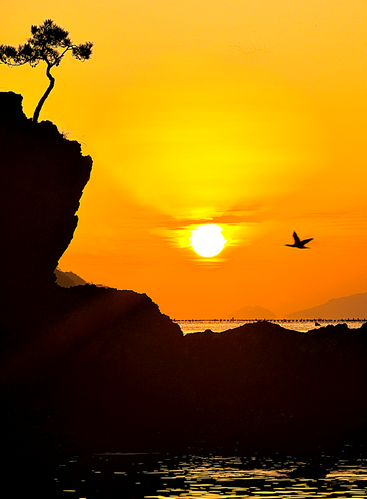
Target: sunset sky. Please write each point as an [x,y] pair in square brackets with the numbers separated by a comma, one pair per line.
[248,114]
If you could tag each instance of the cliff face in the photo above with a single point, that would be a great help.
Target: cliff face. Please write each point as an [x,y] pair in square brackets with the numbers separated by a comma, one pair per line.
[96,369]
[42,177]
[53,340]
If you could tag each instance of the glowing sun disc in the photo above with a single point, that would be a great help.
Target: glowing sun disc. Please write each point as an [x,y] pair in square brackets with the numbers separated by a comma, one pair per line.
[207,240]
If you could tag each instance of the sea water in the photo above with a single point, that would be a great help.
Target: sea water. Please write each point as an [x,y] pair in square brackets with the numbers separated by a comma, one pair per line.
[155,476]
[219,325]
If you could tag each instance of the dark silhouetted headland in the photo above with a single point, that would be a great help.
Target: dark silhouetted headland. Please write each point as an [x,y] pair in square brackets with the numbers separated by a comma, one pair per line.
[90,369]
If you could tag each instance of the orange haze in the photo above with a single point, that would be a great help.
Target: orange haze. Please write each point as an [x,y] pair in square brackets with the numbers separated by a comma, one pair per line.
[249,115]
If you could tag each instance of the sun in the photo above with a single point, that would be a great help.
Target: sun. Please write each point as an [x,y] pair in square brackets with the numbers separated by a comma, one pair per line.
[207,240]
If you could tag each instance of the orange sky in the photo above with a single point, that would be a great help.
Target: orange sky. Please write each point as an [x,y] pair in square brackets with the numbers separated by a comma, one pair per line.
[251,115]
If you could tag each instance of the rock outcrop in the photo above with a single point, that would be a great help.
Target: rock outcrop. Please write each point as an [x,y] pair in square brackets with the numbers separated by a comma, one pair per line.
[68,279]
[42,177]
[53,339]
[92,369]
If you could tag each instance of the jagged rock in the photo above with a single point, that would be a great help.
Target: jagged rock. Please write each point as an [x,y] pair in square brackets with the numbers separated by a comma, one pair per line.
[52,336]
[68,279]
[42,177]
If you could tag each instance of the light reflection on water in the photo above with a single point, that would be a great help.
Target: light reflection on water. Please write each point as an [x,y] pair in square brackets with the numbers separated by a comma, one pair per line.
[190,476]
[220,325]
[218,478]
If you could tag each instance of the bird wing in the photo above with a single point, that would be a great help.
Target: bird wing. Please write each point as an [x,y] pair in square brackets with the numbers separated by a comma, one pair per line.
[296,238]
[305,241]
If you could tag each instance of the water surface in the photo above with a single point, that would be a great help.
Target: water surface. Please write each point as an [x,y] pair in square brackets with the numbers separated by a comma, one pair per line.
[155,476]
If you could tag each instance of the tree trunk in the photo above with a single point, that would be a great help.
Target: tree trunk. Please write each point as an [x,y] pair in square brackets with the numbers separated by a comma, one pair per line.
[45,95]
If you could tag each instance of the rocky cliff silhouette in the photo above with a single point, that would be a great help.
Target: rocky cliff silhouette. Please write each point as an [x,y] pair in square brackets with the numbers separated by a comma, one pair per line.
[90,369]
[42,178]
[68,279]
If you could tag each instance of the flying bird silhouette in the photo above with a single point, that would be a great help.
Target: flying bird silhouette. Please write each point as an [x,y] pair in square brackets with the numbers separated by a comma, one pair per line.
[298,243]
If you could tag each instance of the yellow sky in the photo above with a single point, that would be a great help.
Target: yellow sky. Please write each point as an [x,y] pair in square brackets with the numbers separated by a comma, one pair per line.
[251,115]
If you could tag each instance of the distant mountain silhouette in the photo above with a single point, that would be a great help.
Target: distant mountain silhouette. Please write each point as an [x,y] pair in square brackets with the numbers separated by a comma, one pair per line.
[68,279]
[347,307]
[253,313]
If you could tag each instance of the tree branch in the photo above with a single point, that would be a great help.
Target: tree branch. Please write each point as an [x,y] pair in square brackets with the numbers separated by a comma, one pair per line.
[62,55]
[45,95]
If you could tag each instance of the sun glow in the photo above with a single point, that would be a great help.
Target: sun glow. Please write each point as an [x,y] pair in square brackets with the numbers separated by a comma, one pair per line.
[207,240]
